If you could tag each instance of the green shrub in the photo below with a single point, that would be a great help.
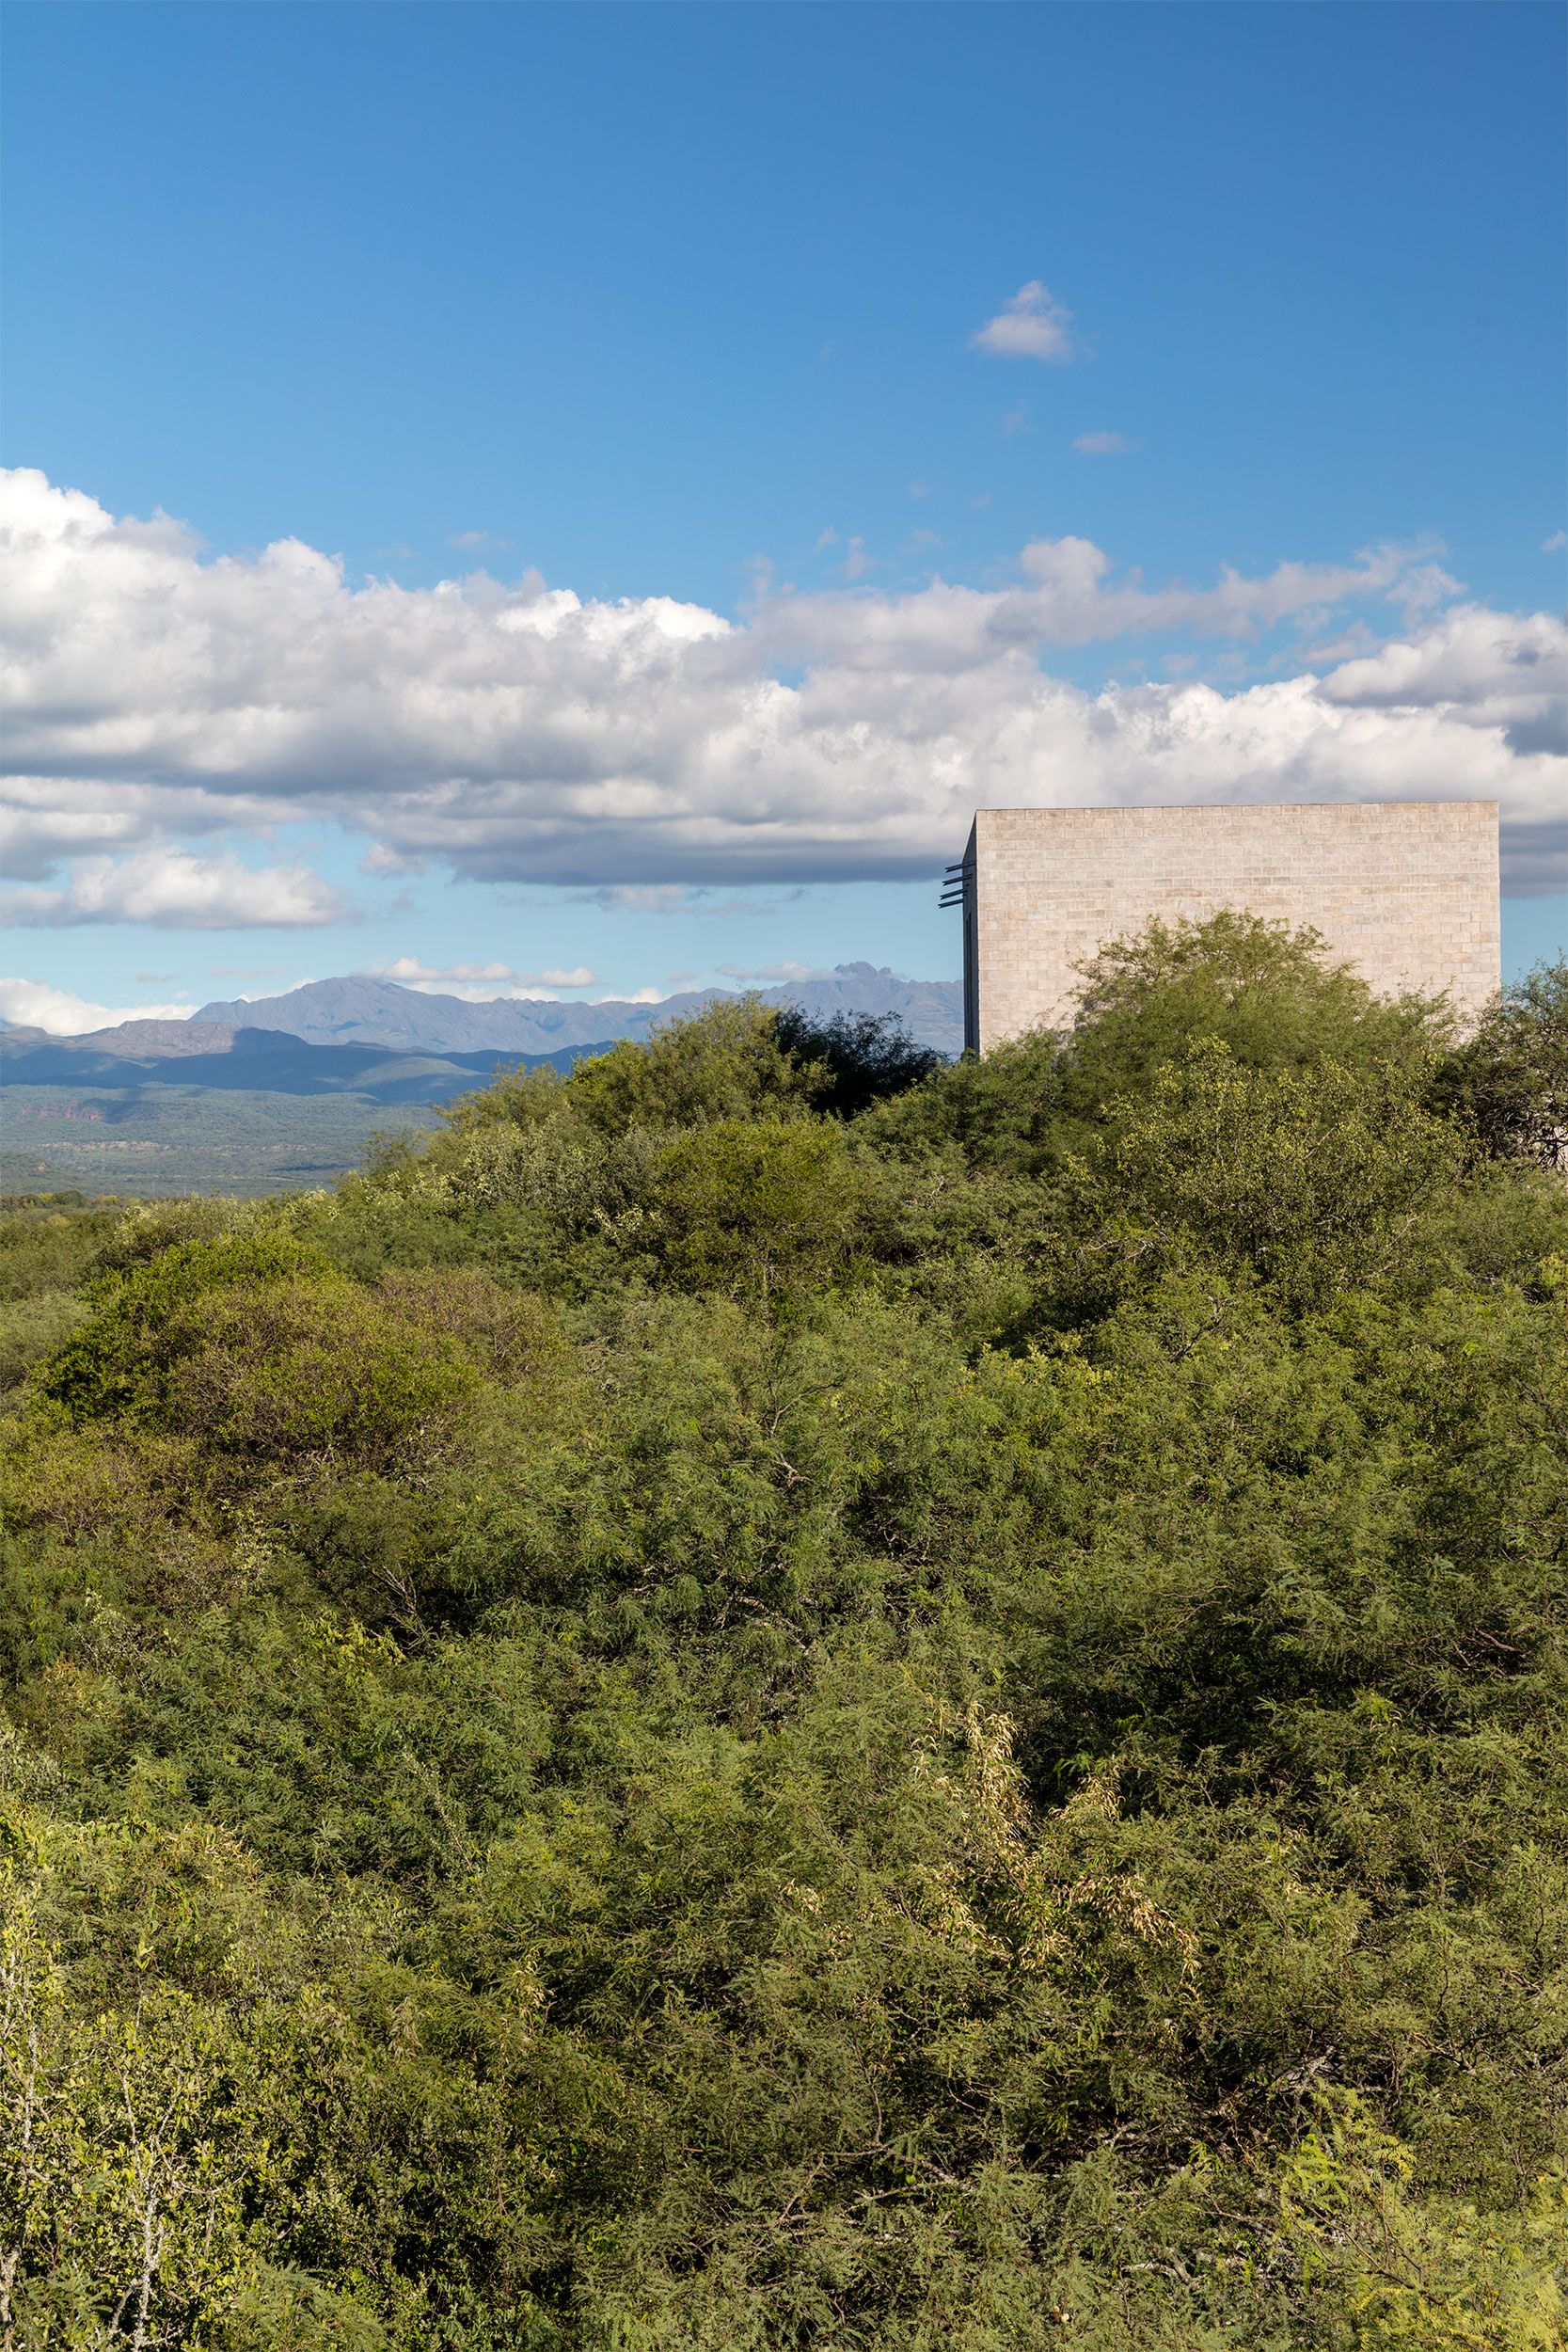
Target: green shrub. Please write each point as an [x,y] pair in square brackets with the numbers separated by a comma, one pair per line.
[853,1059]
[1509,1081]
[147,1230]
[1313,1178]
[678,1723]
[753,1208]
[256,1348]
[723,1062]
[33,1327]
[45,1246]
[1266,991]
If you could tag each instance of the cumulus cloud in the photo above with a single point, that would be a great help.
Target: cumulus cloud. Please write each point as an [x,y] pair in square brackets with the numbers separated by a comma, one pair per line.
[1031,324]
[645,747]
[1490,670]
[34,1005]
[1099,444]
[480,982]
[774,971]
[179,891]
[1070,595]
[71,814]
[1553,545]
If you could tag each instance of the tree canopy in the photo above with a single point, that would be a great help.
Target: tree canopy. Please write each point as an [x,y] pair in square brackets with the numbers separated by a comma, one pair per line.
[774,1696]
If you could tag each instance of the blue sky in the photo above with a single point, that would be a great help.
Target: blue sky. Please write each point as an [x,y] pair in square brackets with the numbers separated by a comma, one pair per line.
[681,303]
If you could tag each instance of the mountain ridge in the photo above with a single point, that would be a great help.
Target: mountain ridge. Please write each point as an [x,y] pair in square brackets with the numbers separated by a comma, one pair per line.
[248,1061]
[360,1010]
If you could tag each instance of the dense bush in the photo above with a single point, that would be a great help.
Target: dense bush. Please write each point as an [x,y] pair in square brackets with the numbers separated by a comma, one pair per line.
[854,1060]
[1510,1079]
[773,1698]
[254,1347]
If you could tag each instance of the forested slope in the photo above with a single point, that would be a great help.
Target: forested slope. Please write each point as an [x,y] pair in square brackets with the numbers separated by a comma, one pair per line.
[770,1697]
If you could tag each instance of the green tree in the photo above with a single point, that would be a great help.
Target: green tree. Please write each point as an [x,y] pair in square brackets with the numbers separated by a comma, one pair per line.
[1314,1179]
[1509,1080]
[731,1707]
[754,1207]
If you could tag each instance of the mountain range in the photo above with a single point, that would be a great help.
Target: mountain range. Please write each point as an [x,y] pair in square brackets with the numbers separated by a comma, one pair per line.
[284,1090]
[218,1055]
[162,1106]
[369,1012]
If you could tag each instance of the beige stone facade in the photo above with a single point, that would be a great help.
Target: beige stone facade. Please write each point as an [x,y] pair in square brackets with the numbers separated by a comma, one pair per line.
[1404,890]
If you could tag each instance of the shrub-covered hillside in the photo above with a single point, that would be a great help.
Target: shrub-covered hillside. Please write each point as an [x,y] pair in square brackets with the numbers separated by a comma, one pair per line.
[771,1697]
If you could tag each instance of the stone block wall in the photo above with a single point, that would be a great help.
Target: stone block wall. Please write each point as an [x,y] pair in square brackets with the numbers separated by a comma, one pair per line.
[1404,890]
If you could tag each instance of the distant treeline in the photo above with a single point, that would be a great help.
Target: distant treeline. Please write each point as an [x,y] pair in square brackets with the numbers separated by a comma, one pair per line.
[775,1695]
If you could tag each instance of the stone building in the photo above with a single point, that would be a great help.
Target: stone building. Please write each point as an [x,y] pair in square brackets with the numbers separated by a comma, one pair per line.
[1406,891]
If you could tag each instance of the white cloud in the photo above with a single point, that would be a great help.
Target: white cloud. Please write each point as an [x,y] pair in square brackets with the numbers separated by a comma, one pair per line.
[774,971]
[1031,324]
[379,861]
[1099,444]
[179,892]
[480,982]
[1555,543]
[32,1004]
[43,820]
[485,992]
[639,897]
[645,747]
[1070,595]
[410,970]
[1489,670]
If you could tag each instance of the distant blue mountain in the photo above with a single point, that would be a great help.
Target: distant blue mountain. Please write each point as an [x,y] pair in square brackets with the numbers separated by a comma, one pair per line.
[364,1012]
[230,1060]
[290,1089]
